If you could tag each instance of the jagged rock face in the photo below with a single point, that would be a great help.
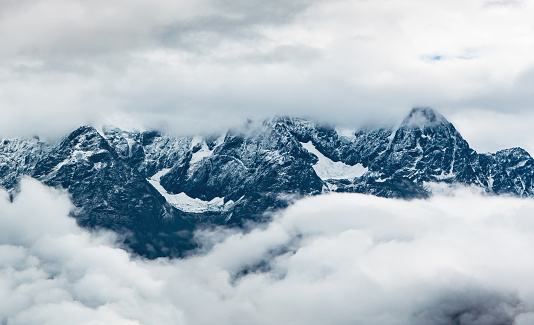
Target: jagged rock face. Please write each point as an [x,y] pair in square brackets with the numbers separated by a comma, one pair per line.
[509,171]
[109,193]
[324,138]
[149,151]
[426,147]
[251,167]
[154,189]
[367,146]
[363,147]
[18,157]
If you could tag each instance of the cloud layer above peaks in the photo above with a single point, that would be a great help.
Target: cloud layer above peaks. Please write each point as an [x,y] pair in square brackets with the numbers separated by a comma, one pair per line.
[341,258]
[209,64]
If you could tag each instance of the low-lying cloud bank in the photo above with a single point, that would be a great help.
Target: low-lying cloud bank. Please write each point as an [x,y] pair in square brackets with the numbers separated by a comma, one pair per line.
[336,259]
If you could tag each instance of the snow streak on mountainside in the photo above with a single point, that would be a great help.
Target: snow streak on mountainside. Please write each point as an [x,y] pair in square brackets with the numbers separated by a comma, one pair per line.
[327,169]
[154,188]
[185,203]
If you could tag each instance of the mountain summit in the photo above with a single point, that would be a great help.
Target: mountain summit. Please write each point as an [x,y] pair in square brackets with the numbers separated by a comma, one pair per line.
[155,189]
[423,117]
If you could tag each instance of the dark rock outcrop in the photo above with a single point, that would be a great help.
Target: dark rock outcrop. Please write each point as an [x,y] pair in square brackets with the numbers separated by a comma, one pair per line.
[155,189]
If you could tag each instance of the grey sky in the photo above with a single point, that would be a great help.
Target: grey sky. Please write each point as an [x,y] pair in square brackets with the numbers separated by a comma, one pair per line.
[193,66]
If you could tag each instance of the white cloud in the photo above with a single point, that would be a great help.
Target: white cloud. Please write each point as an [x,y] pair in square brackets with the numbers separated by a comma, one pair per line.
[208,65]
[490,131]
[340,258]
[52,272]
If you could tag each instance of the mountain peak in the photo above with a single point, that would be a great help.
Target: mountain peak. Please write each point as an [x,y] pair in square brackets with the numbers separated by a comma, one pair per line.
[85,138]
[84,129]
[423,117]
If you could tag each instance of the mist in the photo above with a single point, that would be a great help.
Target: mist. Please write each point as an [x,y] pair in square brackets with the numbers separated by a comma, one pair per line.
[457,258]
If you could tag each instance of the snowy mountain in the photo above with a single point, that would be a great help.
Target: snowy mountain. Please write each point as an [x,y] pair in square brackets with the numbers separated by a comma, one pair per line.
[155,189]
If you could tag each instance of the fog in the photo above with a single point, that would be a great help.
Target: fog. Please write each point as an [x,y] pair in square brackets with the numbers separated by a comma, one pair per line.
[458,258]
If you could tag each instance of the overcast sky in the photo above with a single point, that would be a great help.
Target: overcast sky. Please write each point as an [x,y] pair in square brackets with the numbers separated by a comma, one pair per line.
[191,66]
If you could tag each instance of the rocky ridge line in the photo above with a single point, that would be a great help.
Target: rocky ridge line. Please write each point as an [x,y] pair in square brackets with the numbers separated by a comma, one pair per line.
[155,189]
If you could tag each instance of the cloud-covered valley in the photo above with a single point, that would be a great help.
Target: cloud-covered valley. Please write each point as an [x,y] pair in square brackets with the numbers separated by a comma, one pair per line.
[457,258]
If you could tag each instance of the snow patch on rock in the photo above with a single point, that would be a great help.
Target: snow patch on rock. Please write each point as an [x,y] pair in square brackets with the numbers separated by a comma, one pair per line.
[186,203]
[326,168]
[203,152]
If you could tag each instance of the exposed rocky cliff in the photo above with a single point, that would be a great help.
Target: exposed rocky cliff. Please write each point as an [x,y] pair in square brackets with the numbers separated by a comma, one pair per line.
[155,189]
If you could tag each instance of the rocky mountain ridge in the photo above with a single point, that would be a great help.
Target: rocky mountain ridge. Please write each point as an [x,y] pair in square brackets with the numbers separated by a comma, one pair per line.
[155,189]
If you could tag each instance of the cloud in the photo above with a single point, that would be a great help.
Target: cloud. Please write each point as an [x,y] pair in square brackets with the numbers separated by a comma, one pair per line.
[460,258]
[208,65]
[513,3]
[61,33]
[484,129]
